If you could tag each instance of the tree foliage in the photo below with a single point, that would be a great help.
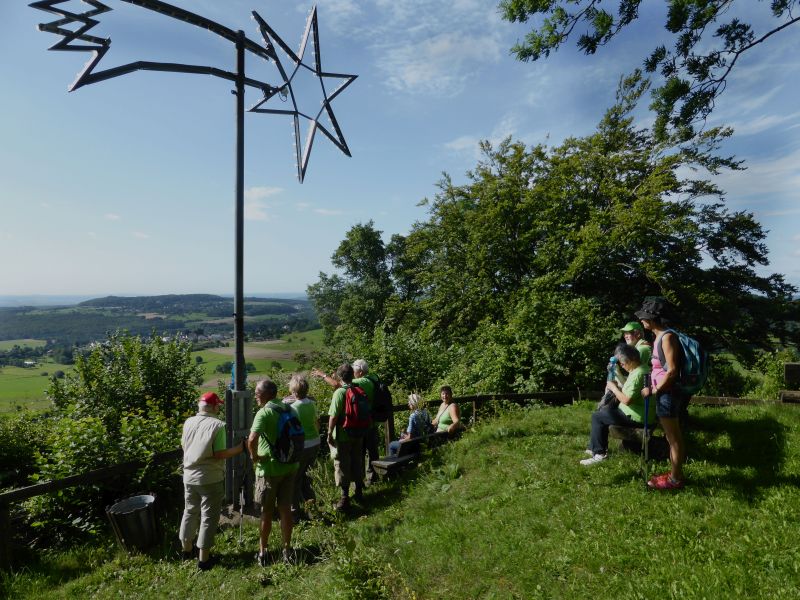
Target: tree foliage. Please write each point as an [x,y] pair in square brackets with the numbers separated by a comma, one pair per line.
[519,277]
[708,39]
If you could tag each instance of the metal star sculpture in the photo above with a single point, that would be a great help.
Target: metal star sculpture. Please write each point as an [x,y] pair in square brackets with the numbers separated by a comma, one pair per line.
[74,29]
[311,32]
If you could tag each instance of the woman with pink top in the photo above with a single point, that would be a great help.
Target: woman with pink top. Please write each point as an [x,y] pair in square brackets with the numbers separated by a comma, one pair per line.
[655,316]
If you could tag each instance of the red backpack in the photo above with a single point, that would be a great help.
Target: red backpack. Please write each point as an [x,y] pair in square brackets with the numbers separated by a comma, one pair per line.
[357,416]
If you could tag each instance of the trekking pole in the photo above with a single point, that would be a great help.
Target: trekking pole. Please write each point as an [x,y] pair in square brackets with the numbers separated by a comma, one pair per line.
[646,440]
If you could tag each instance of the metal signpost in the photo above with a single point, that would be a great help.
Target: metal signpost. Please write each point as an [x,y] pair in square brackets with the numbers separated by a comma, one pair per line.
[74,27]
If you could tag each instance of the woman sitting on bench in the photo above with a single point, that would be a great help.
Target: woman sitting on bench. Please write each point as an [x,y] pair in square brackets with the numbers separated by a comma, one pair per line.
[448,418]
[419,424]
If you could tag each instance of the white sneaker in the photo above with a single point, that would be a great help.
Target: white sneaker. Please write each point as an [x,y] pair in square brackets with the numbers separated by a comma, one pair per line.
[588,452]
[595,459]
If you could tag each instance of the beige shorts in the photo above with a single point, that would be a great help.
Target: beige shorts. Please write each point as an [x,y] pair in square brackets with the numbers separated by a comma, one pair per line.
[272,489]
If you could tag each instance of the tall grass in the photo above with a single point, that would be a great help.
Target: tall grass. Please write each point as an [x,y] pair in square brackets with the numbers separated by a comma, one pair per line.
[507,512]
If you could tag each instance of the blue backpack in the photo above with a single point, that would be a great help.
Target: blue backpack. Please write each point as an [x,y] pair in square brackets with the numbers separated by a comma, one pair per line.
[695,363]
[291,438]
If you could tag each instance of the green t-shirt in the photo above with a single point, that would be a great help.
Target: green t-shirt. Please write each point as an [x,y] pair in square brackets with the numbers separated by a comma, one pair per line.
[646,353]
[337,410]
[366,384]
[265,424]
[307,413]
[633,390]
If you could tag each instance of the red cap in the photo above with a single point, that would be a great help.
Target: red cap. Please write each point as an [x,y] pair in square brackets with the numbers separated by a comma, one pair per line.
[211,399]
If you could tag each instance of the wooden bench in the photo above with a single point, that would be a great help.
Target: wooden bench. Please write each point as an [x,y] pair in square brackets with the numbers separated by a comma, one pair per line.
[631,438]
[408,451]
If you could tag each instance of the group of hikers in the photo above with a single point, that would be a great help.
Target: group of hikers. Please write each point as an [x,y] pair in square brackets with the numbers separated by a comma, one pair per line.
[285,439]
[647,387]
[283,443]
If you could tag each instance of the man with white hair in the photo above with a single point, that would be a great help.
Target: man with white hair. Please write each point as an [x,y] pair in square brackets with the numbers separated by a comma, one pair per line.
[204,454]
[368,383]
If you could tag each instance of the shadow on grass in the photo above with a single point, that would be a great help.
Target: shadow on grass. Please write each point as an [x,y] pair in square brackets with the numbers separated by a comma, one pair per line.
[752,452]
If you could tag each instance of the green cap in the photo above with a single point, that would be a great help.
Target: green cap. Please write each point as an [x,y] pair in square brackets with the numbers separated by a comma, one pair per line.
[633,326]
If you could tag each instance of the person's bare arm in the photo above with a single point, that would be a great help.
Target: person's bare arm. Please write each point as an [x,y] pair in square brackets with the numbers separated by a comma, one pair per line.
[329,379]
[612,387]
[331,425]
[455,414]
[230,452]
[669,343]
[252,446]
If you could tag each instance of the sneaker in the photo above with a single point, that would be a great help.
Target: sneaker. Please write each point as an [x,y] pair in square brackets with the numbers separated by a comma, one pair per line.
[667,483]
[342,505]
[288,556]
[205,565]
[594,459]
[262,558]
[588,452]
[655,479]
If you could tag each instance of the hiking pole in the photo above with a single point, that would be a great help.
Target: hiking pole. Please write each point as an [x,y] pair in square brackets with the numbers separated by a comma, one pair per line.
[646,440]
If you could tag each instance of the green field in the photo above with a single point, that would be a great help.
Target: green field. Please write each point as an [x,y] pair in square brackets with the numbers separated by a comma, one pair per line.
[9,344]
[25,388]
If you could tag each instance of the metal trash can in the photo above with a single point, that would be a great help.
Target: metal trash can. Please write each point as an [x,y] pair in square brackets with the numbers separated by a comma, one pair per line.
[134,522]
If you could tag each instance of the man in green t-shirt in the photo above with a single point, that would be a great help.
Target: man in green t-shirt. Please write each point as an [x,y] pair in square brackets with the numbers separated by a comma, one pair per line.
[367,382]
[274,480]
[347,451]
[630,412]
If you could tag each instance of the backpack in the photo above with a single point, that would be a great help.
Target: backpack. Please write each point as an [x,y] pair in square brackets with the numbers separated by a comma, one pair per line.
[695,363]
[382,402]
[357,417]
[291,438]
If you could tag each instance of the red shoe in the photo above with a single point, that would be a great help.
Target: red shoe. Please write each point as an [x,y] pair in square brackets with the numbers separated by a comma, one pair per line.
[656,478]
[665,483]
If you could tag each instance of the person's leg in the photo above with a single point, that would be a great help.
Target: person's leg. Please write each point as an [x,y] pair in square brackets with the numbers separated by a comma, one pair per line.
[265,495]
[394,448]
[190,522]
[342,472]
[371,443]
[601,421]
[677,450]
[285,486]
[357,467]
[297,494]
[211,497]
[306,490]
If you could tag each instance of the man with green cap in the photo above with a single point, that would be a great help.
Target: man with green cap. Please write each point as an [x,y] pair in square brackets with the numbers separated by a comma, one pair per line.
[633,332]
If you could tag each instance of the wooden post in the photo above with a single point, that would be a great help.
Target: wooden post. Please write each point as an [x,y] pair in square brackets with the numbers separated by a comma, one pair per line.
[791,376]
[474,411]
[389,430]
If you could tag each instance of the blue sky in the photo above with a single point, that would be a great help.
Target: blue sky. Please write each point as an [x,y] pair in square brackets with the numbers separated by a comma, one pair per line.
[127,186]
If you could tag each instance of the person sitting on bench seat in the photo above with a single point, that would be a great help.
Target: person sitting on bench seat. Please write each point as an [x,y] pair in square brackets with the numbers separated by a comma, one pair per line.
[448,417]
[419,424]
[630,412]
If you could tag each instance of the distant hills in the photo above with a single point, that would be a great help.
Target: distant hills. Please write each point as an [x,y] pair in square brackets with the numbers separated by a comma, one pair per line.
[92,319]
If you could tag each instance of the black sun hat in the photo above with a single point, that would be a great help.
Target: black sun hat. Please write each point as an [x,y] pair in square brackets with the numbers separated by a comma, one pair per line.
[655,308]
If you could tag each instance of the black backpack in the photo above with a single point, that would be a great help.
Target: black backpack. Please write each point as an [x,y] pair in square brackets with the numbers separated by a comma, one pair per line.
[291,438]
[382,402]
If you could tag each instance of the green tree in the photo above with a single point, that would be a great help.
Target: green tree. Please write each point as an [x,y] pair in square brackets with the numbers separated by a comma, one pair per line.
[708,39]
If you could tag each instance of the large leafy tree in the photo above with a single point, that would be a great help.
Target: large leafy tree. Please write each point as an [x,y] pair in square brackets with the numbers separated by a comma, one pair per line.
[708,39]
[519,276]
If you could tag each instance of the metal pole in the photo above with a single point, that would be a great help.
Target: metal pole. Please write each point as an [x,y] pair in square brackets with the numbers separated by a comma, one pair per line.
[238,315]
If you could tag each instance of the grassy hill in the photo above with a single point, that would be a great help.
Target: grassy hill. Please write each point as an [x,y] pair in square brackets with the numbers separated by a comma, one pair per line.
[507,512]
[93,319]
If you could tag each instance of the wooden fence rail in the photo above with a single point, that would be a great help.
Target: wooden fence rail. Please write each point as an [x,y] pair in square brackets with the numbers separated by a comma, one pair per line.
[105,473]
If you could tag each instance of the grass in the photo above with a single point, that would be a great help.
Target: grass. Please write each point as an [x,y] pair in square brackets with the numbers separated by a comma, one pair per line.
[9,344]
[24,387]
[507,512]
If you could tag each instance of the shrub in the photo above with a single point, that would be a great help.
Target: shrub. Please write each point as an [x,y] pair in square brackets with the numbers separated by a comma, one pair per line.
[771,366]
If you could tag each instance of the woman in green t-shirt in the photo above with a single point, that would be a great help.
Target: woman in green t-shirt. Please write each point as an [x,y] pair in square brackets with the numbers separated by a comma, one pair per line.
[448,417]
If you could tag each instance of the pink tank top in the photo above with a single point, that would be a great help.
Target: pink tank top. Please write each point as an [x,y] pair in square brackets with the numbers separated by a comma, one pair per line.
[657,374]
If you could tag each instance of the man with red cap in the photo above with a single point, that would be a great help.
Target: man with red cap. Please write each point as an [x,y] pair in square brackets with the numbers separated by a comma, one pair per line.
[204,454]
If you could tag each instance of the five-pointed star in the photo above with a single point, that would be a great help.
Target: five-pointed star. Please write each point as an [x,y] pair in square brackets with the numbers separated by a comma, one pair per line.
[271,39]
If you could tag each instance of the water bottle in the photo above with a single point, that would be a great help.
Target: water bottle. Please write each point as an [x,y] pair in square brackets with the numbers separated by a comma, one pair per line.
[612,369]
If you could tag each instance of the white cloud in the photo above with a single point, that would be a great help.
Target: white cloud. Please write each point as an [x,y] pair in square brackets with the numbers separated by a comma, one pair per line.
[112,217]
[328,212]
[762,123]
[302,206]
[140,235]
[465,143]
[255,209]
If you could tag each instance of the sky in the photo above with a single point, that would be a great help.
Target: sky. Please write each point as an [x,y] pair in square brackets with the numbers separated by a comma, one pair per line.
[127,186]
